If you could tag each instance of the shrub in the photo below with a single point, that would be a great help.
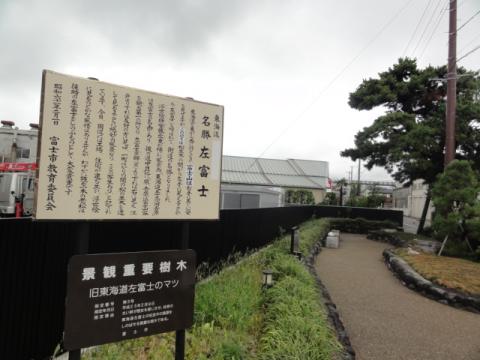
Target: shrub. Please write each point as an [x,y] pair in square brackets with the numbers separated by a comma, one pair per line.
[370,201]
[359,225]
[330,199]
[457,209]
[304,197]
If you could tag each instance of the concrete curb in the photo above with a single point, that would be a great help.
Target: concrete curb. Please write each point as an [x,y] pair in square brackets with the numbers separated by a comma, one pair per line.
[410,278]
[333,315]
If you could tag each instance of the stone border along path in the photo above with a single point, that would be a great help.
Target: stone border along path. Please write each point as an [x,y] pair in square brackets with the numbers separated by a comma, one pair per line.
[386,320]
[417,282]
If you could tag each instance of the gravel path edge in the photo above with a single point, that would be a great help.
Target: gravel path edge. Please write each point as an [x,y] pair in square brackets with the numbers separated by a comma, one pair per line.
[333,315]
[413,280]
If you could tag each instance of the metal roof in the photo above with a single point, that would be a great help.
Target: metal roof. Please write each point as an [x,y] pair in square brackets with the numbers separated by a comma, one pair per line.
[274,172]
[311,167]
[277,167]
[241,164]
[238,177]
[292,180]
[319,180]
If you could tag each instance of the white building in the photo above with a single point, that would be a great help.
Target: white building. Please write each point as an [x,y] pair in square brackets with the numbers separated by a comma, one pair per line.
[18,145]
[246,182]
[256,182]
[411,200]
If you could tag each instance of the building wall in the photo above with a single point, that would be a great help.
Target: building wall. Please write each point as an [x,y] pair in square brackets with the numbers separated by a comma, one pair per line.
[249,196]
[319,195]
[25,141]
[400,198]
[412,199]
[236,196]
[417,200]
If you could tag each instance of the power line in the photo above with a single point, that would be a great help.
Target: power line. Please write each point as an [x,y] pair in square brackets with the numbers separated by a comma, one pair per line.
[416,27]
[468,53]
[426,27]
[475,73]
[440,17]
[466,22]
[342,71]
[470,42]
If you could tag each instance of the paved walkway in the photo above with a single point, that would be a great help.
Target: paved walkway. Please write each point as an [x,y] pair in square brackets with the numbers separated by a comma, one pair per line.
[386,320]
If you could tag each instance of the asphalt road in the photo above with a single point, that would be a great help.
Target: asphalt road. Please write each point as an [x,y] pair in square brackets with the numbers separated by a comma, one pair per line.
[386,320]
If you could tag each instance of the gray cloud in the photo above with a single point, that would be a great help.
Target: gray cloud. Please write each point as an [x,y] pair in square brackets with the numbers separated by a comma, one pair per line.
[264,60]
[174,27]
[37,34]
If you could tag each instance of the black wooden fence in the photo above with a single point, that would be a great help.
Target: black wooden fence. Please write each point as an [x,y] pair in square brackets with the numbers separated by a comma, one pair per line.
[34,257]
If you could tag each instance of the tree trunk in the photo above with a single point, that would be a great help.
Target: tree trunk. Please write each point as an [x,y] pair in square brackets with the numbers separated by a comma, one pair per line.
[424,213]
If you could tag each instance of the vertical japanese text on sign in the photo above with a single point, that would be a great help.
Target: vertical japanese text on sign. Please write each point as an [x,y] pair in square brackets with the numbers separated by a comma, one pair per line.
[126,153]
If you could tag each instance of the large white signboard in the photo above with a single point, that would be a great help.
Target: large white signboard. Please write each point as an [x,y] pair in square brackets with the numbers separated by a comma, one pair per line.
[113,152]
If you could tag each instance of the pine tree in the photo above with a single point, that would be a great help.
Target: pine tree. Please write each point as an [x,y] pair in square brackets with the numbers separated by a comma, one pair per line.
[409,140]
[457,208]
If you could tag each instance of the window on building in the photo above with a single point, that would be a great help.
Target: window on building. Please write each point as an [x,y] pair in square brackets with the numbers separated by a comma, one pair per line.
[241,201]
[23,153]
[231,201]
[250,201]
[27,184]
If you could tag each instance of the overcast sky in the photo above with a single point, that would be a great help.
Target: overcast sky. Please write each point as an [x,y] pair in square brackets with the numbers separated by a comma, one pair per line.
[275,65]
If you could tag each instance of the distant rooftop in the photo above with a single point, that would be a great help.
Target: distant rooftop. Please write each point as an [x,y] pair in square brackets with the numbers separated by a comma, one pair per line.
[293,173]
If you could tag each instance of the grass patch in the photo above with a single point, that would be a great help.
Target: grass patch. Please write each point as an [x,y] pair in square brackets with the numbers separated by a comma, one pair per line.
[235,319]
[295,323]
[227,318]
[459,274]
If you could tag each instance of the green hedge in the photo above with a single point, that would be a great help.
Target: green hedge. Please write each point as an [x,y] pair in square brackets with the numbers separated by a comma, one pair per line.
[359,225]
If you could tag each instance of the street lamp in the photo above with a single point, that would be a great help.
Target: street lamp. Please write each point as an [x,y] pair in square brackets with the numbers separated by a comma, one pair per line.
[294,240]
[298,254]
[267,278]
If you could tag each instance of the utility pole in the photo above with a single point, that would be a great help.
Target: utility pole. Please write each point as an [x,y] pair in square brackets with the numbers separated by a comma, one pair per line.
[358,182]
[451,85]
[341,194]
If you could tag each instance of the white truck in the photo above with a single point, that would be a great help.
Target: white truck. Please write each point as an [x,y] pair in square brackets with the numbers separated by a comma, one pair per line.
[17,185]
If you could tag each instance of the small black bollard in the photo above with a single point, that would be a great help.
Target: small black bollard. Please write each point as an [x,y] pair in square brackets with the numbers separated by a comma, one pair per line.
[294,240]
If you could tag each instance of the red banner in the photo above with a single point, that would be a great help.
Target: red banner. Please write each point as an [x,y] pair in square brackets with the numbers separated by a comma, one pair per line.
[8,166]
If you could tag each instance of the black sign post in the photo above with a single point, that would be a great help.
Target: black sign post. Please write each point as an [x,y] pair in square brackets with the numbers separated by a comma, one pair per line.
[113,297]
[82,237]
[180,334]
